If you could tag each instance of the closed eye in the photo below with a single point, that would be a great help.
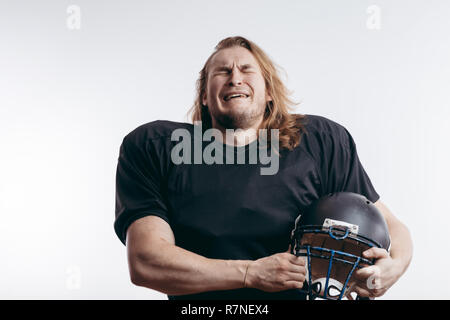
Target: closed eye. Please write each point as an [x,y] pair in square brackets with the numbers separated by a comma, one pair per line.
[222,71]
[244,68]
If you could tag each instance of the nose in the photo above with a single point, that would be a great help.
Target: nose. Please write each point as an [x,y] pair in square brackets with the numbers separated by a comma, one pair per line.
[236,78]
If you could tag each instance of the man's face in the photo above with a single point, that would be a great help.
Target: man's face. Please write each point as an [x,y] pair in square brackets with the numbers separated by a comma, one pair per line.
[235,92]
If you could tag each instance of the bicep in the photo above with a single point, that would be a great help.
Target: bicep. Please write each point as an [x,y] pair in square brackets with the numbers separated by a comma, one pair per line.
[147,234]
[146,241]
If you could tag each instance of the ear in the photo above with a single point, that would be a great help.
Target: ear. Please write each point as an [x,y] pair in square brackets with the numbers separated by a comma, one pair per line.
[268,97]
[204,101]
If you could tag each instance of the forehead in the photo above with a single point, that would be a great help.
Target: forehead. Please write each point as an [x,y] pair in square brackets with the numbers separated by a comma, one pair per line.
[238,55]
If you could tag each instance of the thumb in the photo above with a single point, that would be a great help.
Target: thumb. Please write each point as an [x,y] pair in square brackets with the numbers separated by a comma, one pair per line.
[375,253]
[289,249]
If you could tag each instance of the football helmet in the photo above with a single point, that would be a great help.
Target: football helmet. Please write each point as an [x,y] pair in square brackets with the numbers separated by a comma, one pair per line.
[332,234]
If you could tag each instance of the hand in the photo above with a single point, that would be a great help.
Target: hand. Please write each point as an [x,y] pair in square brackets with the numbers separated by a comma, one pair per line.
[281,271]
[373,281]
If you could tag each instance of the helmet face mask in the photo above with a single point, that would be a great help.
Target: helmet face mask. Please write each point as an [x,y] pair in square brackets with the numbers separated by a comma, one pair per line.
[333,248]
[330,258]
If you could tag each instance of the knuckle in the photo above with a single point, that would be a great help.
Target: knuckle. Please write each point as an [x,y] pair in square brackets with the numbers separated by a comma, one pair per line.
[284,255]
[302,274]
[284,265]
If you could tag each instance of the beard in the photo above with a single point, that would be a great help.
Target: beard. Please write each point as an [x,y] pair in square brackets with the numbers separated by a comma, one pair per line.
[237,119]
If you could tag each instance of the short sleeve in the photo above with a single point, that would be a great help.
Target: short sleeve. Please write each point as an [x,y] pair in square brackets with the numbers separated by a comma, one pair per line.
[138,185]
[341,167]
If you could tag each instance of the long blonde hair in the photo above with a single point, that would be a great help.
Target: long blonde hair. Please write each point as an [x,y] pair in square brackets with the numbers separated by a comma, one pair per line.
[277,114]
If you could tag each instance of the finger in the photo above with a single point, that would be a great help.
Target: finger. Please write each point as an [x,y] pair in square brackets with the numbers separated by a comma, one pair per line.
[295,276]
[348,294]
[351,290]
[293,284]
[375,253]
[297,269]
[362,292]
[366,272]
[299,261]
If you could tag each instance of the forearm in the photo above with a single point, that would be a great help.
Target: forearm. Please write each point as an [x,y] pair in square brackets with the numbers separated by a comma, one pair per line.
[176,271]
[401,245]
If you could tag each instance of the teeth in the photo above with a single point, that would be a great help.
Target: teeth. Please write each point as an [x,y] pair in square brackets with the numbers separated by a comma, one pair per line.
[234,96]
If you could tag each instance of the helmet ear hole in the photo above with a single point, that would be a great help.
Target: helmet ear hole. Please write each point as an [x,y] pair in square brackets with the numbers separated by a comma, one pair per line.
[333,291]
[317,287]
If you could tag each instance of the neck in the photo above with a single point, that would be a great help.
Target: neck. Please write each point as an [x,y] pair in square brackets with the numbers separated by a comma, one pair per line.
[237,137]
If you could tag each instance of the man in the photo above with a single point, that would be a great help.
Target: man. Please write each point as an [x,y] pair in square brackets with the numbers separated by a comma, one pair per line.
[221,230]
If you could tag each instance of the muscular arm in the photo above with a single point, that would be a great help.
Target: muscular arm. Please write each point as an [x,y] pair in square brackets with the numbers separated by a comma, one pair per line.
[157,263]
[401,243]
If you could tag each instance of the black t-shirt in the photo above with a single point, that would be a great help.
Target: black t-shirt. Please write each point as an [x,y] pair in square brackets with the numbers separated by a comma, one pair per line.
[232,211]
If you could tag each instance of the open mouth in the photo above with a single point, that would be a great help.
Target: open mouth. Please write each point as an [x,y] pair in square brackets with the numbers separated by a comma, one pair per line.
[235,96]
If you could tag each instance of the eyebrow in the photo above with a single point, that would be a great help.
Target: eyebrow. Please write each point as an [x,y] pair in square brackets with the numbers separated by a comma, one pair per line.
[225,67]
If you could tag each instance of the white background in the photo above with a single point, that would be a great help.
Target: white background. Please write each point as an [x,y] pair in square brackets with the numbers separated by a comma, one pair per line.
[69,96]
